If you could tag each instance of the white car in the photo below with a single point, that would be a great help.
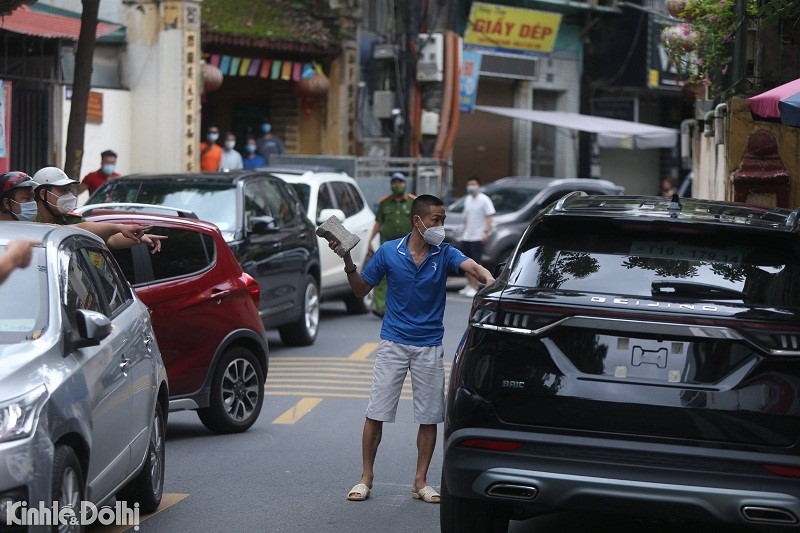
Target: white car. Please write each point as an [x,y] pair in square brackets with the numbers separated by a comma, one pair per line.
[334,193]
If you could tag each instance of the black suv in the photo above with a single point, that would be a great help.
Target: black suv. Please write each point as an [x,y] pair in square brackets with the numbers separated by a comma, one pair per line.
[636,355]
[263,222]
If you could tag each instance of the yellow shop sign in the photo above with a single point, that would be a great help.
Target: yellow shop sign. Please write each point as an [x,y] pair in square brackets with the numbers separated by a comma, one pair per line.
[511,29]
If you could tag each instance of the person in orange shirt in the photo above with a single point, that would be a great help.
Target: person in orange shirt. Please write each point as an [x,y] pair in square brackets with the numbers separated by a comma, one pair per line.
[210,151]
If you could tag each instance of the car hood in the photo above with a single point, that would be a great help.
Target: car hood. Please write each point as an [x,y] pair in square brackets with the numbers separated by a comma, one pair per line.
[26,365]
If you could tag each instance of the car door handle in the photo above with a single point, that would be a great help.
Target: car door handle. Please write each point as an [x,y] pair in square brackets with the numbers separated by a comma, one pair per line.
[276,245]
[123,366]
[302,235]
[218,294]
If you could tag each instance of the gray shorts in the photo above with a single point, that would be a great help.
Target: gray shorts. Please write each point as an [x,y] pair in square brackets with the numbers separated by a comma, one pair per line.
[392,362]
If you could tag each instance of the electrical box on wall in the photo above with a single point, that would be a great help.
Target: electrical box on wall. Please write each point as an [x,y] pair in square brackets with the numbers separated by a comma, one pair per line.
[429,125]
[382,104]
[430,65]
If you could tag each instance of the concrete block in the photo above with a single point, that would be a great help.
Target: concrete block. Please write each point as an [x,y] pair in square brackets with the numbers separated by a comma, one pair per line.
[332,230]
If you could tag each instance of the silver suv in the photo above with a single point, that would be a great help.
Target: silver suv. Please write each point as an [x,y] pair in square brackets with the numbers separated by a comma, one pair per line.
[83,389]
[516,201]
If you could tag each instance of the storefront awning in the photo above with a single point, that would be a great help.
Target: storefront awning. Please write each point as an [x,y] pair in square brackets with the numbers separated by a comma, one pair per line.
[782,102]
[611,133]
[52,23]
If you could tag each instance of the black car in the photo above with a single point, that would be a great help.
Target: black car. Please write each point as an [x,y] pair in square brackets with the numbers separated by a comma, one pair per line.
[516,201]
[263,222]
[637,356]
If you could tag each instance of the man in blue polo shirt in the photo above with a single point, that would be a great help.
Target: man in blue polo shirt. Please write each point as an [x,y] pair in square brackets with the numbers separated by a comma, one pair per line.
[416,267]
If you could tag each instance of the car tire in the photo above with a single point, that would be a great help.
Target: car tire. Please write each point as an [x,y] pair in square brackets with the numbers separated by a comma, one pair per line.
[147,487]
[465,515]
[67,484]
[237,392]
[303,332]
[358,306]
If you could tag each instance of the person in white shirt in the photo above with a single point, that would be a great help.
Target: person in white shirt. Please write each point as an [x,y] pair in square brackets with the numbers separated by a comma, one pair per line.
[478,218]
[231,159]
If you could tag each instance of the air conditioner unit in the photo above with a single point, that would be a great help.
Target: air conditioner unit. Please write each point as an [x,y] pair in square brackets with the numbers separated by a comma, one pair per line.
[430,65]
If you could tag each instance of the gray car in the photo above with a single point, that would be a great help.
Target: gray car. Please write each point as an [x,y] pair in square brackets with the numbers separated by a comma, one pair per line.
[83,389]
[516,201]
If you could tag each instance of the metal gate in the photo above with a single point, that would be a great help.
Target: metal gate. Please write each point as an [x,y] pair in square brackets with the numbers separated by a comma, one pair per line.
[30,121]
[425,175]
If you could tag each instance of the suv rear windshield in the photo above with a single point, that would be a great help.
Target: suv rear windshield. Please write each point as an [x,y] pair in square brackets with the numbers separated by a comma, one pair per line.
[214,202]
[657,260]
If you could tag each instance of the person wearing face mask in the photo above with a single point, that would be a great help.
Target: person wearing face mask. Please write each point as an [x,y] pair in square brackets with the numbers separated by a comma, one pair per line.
[392,221]
[416,267]
[107,171]
[16,197]
[478,219]
[55,202]
[231,159]
[210,151]
[269,144]
[252,159]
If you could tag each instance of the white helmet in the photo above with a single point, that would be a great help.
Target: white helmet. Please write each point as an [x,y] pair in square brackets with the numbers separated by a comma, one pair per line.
[52,176]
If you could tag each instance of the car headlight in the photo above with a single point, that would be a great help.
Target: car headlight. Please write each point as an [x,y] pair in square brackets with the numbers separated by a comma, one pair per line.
[18,415]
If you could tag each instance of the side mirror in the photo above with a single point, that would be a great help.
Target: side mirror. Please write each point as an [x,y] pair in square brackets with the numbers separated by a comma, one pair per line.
[92,328]
[325,214]
[498,269]
[264,224]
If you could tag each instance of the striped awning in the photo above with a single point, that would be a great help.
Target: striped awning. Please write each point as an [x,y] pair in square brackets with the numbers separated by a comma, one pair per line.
[50,23]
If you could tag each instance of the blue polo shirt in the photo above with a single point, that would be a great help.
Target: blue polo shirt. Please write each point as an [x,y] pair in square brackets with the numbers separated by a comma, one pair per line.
[415,297]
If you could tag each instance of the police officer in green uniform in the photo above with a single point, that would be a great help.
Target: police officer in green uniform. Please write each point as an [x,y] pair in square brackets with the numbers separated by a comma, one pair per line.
[392,221]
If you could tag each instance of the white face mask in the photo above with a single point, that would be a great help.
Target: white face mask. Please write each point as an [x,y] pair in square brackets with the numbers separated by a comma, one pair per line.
[66,203]
[433,235]
[27,210]
[230,144]
[472,189]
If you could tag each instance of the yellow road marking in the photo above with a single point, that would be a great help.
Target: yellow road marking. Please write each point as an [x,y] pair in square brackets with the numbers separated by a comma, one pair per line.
[298,411]
[365,351]
[167,500]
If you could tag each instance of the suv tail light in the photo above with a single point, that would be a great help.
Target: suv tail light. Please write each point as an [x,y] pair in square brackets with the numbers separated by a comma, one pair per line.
[253,288]
[780,343]
[510,318]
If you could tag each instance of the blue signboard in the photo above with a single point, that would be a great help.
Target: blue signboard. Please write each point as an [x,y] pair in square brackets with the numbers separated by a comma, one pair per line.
[470,72]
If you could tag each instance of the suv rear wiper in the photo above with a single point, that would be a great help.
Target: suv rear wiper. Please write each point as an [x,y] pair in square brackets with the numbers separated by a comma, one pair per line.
[675,288]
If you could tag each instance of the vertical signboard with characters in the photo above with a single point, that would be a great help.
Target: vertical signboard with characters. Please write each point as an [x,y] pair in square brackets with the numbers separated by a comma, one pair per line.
[191,88]
[5,125]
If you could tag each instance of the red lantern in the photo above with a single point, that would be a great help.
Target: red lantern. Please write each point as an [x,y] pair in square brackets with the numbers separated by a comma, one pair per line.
[211,76]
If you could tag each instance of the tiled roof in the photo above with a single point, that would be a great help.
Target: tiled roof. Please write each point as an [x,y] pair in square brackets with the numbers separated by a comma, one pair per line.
[301,26]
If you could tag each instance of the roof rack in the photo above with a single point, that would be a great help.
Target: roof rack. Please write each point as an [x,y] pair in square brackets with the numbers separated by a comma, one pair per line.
[793,220]
[94,209]
[569,198]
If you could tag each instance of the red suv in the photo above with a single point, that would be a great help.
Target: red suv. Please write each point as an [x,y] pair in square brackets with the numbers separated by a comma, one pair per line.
[205,316]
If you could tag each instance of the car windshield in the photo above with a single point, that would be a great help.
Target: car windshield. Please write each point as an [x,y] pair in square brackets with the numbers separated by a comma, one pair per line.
[303,190]
[27,289]
[655,261]
[214,202]
[505,198]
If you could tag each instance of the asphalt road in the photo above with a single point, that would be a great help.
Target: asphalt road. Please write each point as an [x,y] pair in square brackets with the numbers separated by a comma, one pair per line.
[292,470]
